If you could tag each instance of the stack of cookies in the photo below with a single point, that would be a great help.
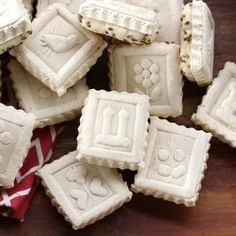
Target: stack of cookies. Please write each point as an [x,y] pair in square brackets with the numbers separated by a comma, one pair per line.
[151,45]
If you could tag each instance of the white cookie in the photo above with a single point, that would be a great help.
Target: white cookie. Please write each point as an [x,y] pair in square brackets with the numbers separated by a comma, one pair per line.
[49,109]
[59,52]
[197,43]
[217,111]
[15,25]
[174,164]
[83,193]
[119,20]
[72,5]
[152,70]
[15,135]
[113,129]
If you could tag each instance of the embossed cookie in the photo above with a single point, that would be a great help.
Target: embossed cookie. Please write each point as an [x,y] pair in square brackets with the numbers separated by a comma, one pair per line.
[152,70]
[197,43]
[83,193]
[15,25]
[174,164]
[168,17]
[29,7]
[217,111]
[72,5]
[113,129]
[15,134]
[123,21]
[34,97]
[59,52]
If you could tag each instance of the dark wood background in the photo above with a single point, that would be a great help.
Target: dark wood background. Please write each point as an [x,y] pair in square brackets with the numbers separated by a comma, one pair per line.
[215,212]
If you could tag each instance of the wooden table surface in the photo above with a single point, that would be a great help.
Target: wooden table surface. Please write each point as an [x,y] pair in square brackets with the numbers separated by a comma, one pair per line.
[215,212]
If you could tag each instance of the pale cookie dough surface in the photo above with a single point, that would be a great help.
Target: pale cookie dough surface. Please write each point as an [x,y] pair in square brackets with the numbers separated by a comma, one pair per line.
[175,162]
[34,97]
[119,20]
[113,129]
[83,193]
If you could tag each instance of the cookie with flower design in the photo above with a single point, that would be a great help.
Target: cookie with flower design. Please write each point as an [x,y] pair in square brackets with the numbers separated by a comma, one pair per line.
[152,70]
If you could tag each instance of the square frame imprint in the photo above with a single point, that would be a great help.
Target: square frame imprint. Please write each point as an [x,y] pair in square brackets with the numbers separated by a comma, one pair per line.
[186,193]
[75,68]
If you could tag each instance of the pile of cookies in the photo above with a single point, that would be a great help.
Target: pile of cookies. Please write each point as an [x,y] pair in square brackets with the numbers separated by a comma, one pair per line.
[151,45]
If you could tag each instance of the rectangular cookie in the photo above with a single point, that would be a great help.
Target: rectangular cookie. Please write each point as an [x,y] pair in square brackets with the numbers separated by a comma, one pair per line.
[175,162]
[59,52]
[72,5]
[15,25]
[123,21]
[168,17]
[217,111]
[113,129]
[152,70]
[83,193]
[16,128]
[34,97]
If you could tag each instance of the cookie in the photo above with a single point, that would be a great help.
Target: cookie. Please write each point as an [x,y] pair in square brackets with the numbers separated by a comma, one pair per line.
[71,5]
[175,162]
[15,134]
[59,52]
[143,70]
[113,129]
[217,111]
[126,22]
[15,25]
[168,17]
[197,43]
[34,97]
[83,193]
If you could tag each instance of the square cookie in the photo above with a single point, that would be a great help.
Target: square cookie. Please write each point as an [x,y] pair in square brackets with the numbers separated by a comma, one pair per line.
[174,164]
[168,17]
[71,5]
[217,111]
[15,134]
[59,52]
[152,70]
[15,25]
[34,97]
[197,43]
[83,193]
[120,20]
[113,129]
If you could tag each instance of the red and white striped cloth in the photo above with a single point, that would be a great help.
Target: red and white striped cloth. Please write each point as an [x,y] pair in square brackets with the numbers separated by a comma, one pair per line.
[15,202]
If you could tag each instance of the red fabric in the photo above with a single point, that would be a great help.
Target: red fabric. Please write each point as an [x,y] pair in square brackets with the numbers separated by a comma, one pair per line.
[15,202]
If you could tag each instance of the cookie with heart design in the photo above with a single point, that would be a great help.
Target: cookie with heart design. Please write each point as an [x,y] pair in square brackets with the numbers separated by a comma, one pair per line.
[83,193]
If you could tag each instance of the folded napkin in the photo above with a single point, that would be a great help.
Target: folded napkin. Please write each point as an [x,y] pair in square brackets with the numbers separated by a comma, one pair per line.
[15,202]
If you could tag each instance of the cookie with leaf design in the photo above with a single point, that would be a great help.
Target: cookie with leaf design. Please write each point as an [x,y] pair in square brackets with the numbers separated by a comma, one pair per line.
[175,162]
[152,70]
[83,193]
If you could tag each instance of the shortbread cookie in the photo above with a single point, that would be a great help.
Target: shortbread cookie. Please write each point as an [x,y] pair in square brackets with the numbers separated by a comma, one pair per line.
[217,111]
[83,193]
[72,5]
[152,70]
[29,7]
[59,52]
[169,15]
[15,134]
[174,164]
[15,25]
[197,43]
[113,129]
[123,21]
[34,97]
